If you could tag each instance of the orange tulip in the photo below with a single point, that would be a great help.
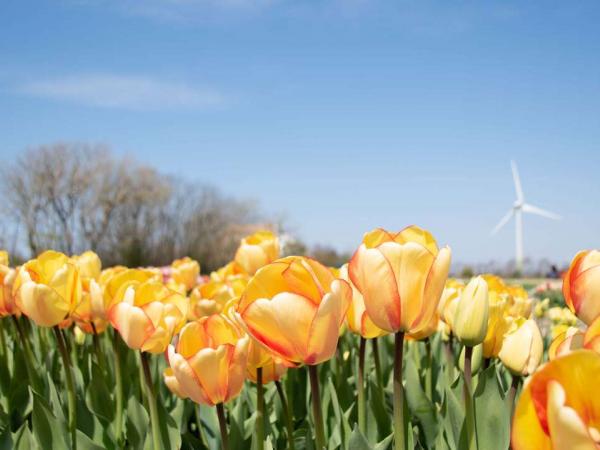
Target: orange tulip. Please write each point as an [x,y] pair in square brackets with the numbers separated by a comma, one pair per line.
[591,338]
[295,307]
[357,319]
[48,288]
[557,410]
[185,271]
[228,270]
[257,250]
[581,286]
[210,298]
[209,360]
[172,383]
[147,314]
[401,277]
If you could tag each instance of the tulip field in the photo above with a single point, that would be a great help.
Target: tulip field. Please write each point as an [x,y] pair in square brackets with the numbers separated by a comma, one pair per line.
[282,352]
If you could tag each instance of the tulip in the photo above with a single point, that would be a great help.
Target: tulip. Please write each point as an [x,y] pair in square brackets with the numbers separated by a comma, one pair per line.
[210,298]
[476,358]
[569,340]
[230,269]
[295,307]
[557,409]
[401,277]
[8,306]
[591,338]
[498,324]
[48,288]
[257,250]
[89,265]
[172,383]
[185,271]
[449,300]
[471,317]
[522,348]
[581,286]
[3,258]
[520,302]
[146,314]
[357,319]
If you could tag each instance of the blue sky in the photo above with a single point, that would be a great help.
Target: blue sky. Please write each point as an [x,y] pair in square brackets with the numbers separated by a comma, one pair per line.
[340,115]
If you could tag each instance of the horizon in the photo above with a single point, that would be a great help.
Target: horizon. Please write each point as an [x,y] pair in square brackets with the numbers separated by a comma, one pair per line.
[340,116]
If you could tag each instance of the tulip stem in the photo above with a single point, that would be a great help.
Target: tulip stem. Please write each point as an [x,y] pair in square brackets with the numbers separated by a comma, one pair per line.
[151,396]
[97,348]
[70,386]
[429,370]
[399,435]
[449,357]
[29,358]
[512,393]
[287,416]
[469,413]
[118,388]
[222,426]
[360,387]
[260,410]
[199,424]
[377,362]
[316,407]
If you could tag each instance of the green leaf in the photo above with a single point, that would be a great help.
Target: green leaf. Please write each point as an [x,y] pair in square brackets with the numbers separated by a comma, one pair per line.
[97,396]
[358,441]
[138,423]
[492,418]
[49,432]
[420,406]
[85,443]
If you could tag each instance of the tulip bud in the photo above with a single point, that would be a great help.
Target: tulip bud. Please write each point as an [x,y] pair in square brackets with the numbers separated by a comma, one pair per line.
[471,317]
[185,271]
[522,347]
[257,250]
[581,286]
[89,265]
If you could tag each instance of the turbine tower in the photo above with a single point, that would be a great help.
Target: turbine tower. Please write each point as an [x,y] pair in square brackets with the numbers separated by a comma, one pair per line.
[519,207]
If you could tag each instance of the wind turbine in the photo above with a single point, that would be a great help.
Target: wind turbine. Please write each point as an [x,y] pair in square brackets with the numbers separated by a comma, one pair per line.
[519,207]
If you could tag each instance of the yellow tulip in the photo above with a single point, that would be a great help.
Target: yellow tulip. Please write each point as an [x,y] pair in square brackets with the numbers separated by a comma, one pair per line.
[209,360]
[48,288]
[357,319]
[89,265]
[432,327]
[401,277]
[581,286]
[271,371]
[273,368]
[185,271]
[519,301]
[257,250]
[230,269]
[449,300]
[558,409]
[90,314]
[522,347]
[147,314]
[498,324]
[7,299]
[295,307]
[210,298]
[471,317]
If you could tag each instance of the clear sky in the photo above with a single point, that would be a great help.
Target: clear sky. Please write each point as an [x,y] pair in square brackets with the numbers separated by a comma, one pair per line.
[341,115]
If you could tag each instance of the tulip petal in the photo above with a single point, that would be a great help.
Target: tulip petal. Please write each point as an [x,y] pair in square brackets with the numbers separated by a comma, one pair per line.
[188,381]
[133,324]
[434,286]
[42,304]
[586,291]
[325,327]
[237,367]
[212,370]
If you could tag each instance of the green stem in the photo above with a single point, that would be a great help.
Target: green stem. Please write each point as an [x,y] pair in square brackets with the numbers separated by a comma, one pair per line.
[222,426]
[449,358]
[399,435]
[97,348]
[151,396]
[70,386]
[316,407]
[377,362]
[468,399]
[29,358]
[286,415]
[512,393]
[199,425]
[429,370]
[260,410]
[360,387]
[118,389]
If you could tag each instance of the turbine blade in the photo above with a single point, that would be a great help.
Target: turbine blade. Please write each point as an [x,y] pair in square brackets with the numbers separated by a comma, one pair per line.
[517,181]
[502,222]
[540,212]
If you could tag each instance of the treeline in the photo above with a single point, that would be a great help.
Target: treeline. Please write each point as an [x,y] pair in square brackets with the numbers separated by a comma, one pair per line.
[73,197]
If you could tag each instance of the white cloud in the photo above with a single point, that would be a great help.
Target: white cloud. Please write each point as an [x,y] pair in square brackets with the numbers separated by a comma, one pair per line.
[123,92]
